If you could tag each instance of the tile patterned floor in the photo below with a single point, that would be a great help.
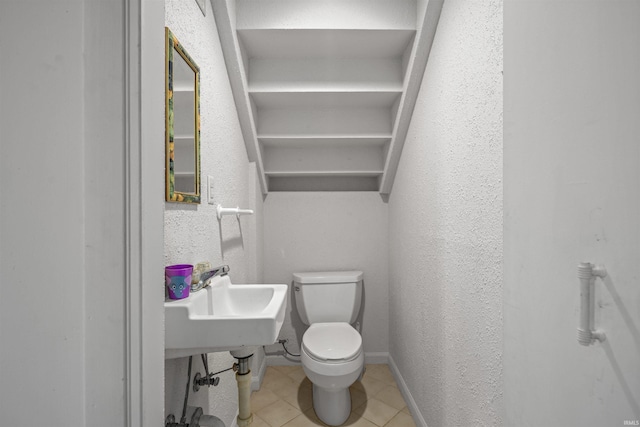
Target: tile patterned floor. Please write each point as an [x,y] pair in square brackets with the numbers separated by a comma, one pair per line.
[285,400]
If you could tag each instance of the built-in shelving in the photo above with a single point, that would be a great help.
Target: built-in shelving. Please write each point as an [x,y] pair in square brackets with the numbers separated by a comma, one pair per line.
[321,87]
[324,103]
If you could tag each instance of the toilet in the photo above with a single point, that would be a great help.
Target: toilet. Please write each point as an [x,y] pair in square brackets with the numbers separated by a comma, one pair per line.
[331,350]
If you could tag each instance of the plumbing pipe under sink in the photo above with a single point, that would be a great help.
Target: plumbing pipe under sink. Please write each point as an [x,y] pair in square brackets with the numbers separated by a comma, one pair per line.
[243,377]
[197,419]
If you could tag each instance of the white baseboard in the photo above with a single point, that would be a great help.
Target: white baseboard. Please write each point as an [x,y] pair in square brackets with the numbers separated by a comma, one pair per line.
[402,386]
[280,360]
[376,357]
[373,357]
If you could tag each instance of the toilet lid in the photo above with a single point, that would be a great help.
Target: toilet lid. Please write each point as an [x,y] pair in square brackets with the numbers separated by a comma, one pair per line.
[332,341]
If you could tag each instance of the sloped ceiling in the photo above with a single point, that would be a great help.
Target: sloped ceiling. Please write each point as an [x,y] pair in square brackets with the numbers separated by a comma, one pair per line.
[325,89]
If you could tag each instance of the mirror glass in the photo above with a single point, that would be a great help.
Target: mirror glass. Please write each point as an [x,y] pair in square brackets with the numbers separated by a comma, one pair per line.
[182,137]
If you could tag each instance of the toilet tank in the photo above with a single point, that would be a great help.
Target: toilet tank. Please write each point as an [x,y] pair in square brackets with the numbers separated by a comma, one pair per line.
[328,296]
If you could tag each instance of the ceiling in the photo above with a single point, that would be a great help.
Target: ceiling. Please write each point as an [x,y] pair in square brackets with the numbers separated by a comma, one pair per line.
[325,89]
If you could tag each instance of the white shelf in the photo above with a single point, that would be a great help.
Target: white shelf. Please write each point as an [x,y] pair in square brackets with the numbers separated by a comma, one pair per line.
[381,135]
[318,75]
[324,120]
[265,74]
[320,158]
[343,173]
[301,141]
[326,87]
[327,43]
[183,113]
[323,99]
[326,90]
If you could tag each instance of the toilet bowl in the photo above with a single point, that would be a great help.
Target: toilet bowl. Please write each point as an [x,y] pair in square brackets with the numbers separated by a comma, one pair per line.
[332,359]
[331,350]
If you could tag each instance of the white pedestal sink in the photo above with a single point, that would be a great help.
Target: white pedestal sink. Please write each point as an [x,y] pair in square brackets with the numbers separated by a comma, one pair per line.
[224,317]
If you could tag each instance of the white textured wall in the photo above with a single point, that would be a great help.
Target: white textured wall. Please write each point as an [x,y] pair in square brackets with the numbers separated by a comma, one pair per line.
[445,226]
[323,231]
[192,232]
[572,174]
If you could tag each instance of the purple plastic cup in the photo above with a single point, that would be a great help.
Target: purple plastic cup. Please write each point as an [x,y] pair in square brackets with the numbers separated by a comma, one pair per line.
[178,280]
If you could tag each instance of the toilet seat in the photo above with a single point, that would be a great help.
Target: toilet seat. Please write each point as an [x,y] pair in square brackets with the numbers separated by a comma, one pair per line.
[335,342]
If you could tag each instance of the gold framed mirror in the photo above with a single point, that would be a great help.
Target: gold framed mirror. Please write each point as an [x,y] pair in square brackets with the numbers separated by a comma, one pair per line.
[182,123]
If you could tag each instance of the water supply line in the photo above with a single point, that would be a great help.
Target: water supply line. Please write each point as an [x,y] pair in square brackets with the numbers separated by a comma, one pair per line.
[283,342]
[210,379]
[183,419]
[205,363]
[587,273]
[195,415]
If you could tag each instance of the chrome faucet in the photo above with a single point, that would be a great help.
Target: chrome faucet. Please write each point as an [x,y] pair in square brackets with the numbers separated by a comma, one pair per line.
[223,270]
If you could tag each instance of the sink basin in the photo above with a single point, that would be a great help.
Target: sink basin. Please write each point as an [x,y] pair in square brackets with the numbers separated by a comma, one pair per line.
[224,317]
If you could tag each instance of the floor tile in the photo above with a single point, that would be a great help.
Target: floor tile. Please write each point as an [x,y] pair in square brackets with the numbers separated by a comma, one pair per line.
[381,372]
[262,398]
[357,398]
[299,377]
[391,396]
[285,389]
[369,385]
[278,413]
[272,374]
[356,420]
[286,399]
[301,398]
[306,419]
[281,384]
[376,411]
[401,420]
[286,369]
[258,422]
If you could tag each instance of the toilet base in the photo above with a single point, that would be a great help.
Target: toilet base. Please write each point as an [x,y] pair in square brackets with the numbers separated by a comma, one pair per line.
[332,406]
